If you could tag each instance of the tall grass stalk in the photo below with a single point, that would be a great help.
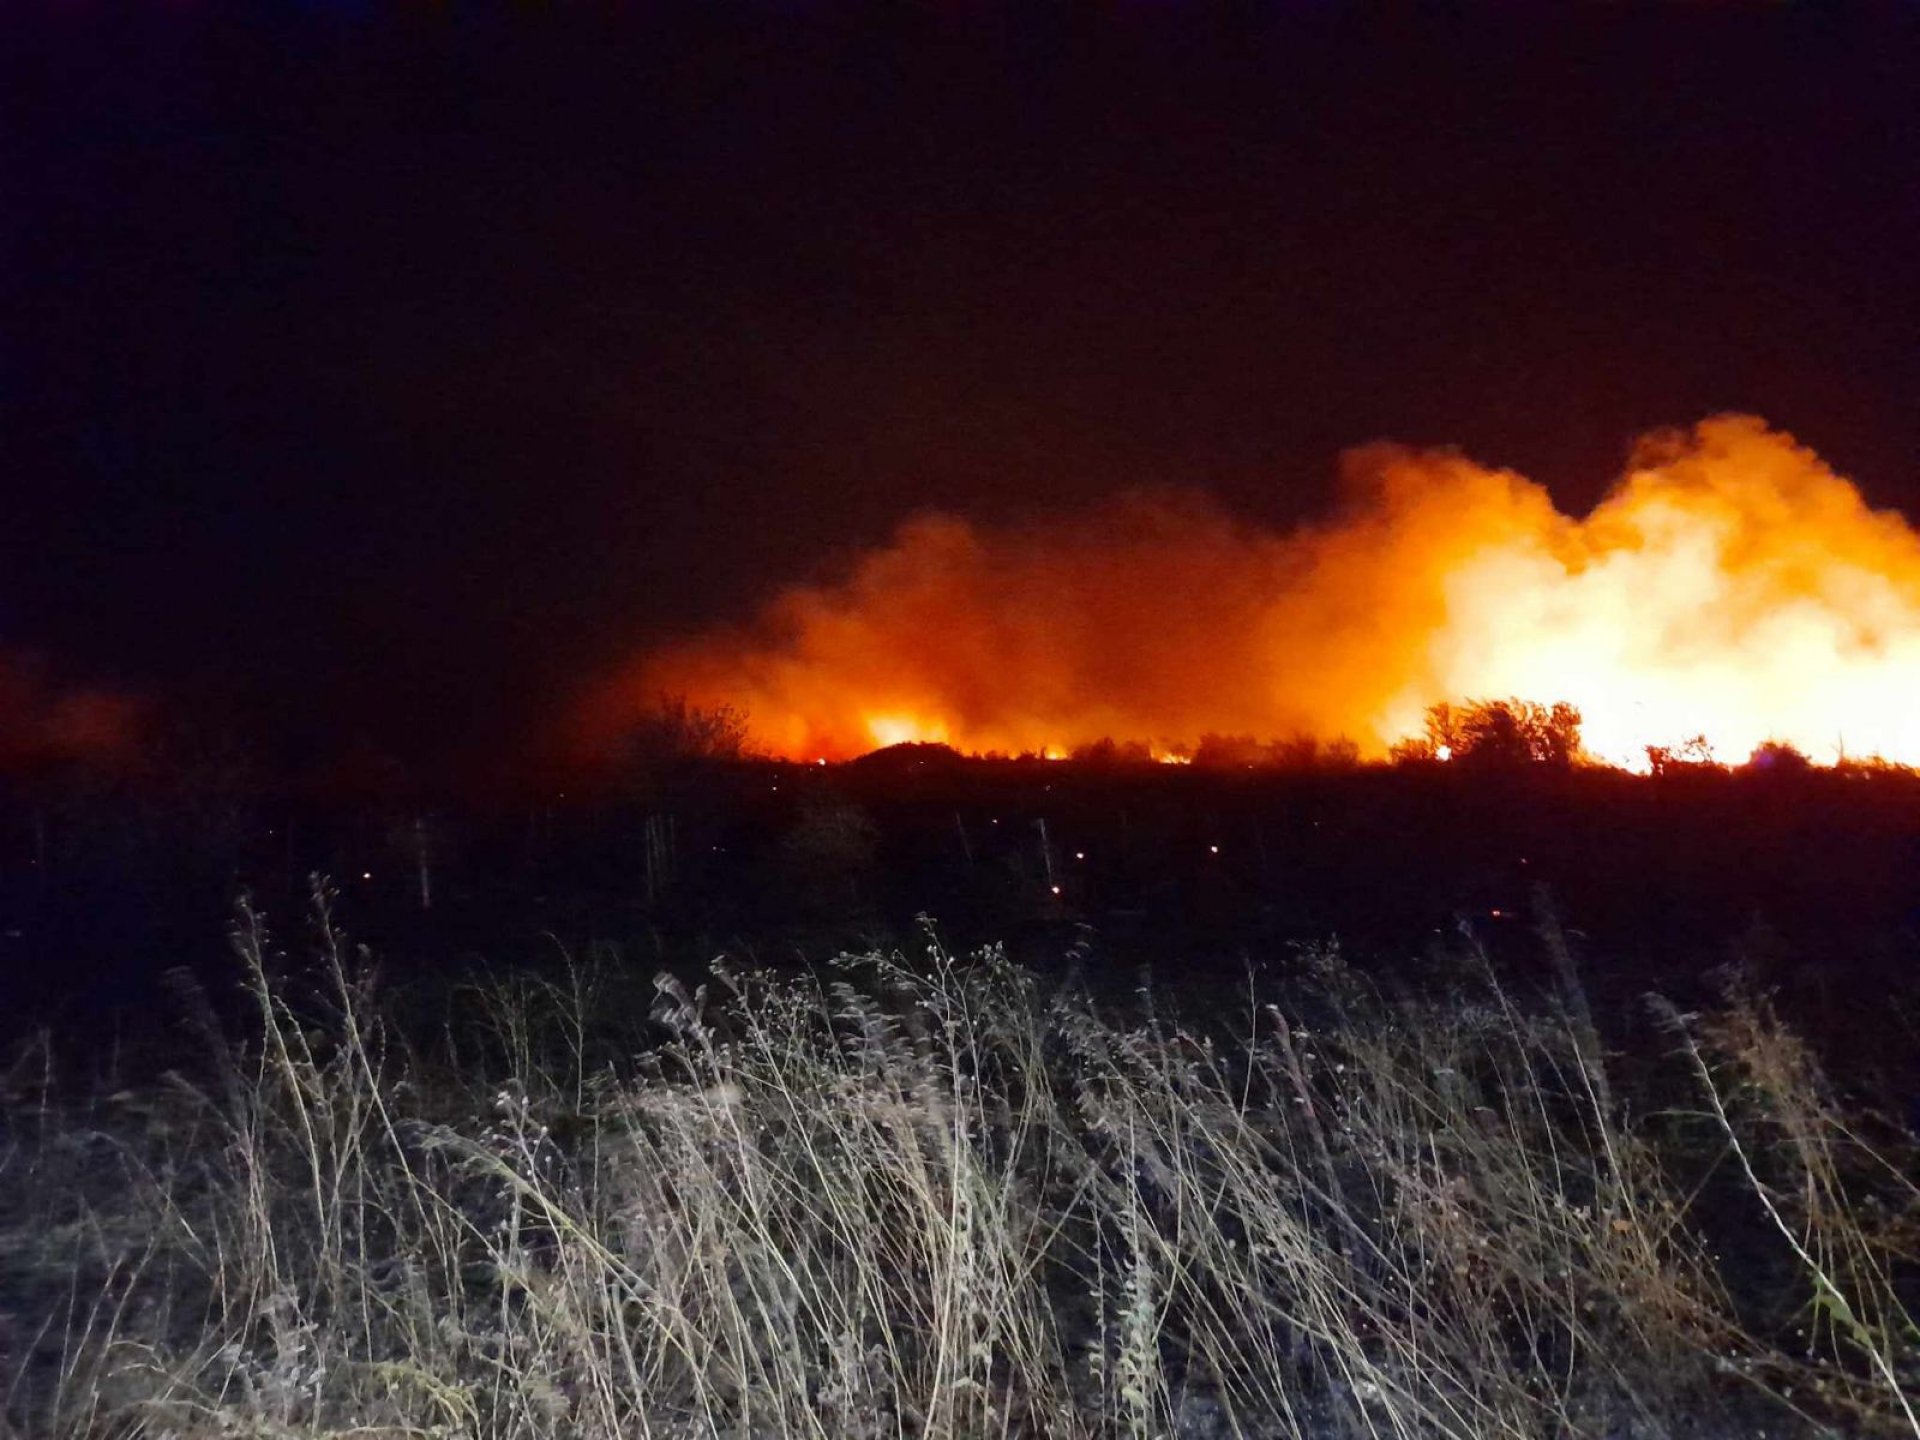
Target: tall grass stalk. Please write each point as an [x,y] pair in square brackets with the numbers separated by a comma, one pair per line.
[923,1195]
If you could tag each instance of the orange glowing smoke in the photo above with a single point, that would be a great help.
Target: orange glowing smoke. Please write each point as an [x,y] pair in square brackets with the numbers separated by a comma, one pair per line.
[1730,585]
[42,723]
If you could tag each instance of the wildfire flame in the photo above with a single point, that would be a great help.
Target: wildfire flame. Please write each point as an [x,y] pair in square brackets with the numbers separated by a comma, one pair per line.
[1730,586]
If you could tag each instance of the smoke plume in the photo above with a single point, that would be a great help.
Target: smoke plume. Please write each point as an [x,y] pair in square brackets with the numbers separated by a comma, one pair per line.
[1729,586]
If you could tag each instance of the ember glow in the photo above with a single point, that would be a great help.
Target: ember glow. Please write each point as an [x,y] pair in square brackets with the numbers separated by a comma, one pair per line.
[41,722]
[1730,586]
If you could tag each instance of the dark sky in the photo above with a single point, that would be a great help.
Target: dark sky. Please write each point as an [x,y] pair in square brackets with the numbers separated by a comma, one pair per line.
[387,375]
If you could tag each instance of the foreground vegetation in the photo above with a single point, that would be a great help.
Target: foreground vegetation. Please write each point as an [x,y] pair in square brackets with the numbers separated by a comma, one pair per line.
[929,1195]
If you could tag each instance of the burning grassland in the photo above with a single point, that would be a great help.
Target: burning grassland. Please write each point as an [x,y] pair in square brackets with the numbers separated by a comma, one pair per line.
[1730,588]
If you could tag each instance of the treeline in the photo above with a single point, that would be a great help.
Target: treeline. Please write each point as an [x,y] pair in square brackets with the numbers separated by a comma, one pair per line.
[1492,734]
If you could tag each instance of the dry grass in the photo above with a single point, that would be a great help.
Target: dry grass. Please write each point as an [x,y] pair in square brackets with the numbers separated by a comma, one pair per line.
[924,1196]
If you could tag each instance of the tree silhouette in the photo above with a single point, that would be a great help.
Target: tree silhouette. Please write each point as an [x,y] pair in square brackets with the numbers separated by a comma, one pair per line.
[673,731]
[1777,757]
[1694,754]
[1503,733]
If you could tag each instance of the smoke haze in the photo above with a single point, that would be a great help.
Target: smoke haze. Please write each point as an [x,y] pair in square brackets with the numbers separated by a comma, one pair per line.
[1729,585]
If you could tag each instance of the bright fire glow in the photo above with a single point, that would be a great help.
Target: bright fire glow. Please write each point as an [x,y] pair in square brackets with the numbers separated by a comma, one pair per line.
[887,730]
[1729,586]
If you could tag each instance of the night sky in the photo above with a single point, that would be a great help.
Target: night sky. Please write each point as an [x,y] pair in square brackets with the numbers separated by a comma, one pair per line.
[381,378]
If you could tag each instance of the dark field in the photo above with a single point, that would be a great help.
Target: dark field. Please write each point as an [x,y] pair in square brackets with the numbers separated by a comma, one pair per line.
[1809,877]
[1317,1103]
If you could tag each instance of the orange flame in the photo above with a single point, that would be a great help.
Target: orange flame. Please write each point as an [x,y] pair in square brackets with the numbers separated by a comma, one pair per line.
[1730,586]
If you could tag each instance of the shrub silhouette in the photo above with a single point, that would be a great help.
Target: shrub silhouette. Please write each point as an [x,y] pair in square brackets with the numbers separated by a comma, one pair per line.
[1503,733]
[1777,757]
[675,732]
